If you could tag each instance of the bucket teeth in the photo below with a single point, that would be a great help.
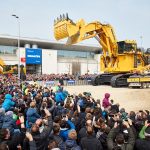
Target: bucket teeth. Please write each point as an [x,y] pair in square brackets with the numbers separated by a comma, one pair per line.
[67,18]
[60,26]
[62,17]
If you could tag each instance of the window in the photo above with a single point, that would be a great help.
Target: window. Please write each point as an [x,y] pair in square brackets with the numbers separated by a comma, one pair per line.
[8,50]
[74,54]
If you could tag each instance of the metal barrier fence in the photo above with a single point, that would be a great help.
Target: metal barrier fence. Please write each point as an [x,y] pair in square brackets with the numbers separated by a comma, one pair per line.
[66,83]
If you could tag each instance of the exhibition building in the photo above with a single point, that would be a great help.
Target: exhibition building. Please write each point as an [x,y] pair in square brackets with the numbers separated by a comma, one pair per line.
[46,57]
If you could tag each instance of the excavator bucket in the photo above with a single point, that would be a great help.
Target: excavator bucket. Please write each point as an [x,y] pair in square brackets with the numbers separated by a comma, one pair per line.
[64,27]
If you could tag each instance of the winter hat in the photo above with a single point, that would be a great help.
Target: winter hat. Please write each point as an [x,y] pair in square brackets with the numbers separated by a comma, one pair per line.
[72,134]
[147,131]
[9,113]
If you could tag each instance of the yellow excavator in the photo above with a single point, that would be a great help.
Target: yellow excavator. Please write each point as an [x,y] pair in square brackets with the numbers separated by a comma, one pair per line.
[2,64]
[6,69]
[119,60]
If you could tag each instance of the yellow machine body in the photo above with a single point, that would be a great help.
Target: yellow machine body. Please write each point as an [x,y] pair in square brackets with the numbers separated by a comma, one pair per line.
[115,57]
[12,70]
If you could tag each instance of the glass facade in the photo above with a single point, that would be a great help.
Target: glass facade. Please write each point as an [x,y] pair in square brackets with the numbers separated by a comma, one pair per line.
[75,54]
[8,50]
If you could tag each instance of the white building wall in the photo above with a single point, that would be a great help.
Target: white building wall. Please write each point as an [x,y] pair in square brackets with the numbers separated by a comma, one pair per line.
[83,68]
[90,67]
[22,56]
[97,58]
[64,67]
[49,61]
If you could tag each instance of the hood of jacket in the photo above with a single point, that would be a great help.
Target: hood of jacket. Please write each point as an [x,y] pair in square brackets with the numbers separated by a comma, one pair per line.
[8,96]
[70,143]
[31,111]
[107,95]
[8,119]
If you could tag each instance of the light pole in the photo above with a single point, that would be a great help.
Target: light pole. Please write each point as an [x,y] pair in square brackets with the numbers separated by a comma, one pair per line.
[18,46]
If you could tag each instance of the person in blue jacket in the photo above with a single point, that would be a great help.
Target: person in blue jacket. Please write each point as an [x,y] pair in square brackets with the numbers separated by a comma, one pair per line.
[60,96]
[64,130]
[32,115]
[8,103]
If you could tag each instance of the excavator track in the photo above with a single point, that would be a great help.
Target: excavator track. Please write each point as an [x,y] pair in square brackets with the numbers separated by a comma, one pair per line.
[102,79]
[120,80]
[115,80]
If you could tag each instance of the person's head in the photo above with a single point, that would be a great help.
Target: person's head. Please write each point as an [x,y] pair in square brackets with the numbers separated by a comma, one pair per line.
[52,145]
[39,122]
[63,124]
[35,128]
[119,139]
[88,110]
[72,135]
[4,134]
[56,129]
[32,104]
[57,119]
[89,130]
[88,116]
[89,123]
[122,110]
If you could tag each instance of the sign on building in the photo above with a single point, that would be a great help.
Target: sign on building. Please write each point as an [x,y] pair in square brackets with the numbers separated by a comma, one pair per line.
[33,56]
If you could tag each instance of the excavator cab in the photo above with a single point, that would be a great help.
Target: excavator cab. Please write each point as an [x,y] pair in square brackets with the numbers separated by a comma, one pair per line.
[126,46]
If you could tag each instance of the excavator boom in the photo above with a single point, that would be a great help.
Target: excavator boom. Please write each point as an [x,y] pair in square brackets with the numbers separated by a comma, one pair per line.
[77,32]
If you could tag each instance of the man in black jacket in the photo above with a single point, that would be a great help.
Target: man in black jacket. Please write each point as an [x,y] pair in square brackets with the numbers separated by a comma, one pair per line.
[90,142]
[119,139]
[41,138]
[13,141]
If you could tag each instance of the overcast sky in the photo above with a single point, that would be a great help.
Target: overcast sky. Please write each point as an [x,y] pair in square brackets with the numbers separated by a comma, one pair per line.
[130,18]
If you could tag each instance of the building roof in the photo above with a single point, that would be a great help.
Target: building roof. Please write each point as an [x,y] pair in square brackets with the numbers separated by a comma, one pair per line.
[44,44]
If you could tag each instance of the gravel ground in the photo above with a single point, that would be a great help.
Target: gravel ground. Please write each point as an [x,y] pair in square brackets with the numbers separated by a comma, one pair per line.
[130,99]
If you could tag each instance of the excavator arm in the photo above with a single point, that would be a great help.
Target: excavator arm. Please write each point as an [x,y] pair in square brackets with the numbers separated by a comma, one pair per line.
[77,32]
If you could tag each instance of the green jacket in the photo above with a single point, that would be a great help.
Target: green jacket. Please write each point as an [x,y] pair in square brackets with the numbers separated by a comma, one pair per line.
[141,134]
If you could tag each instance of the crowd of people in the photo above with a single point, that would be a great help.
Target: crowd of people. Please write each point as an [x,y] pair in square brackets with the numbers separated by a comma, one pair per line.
[52,77]
[49,118]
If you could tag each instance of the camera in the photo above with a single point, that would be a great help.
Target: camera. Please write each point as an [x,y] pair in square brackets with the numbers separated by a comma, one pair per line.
[63,116]
[111,115]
